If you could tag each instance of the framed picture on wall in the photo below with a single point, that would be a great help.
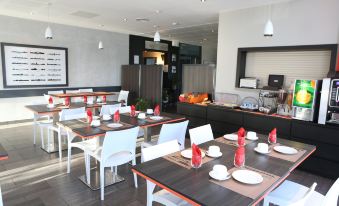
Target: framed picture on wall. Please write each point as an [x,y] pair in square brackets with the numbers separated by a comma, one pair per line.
[33,66]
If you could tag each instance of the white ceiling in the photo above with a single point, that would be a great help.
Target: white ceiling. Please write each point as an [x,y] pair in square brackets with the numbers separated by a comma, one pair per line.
[195,19]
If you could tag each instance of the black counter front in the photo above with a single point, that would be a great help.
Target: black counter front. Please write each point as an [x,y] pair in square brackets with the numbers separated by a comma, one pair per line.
[325,161]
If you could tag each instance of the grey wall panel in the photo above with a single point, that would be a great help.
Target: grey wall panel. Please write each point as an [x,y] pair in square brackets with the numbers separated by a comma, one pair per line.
[151,83]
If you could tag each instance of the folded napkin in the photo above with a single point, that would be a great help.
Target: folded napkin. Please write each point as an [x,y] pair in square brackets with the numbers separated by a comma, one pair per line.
[196,156]
[85,99]
[272,137]
[50,100]
[133,111]
[157,110]
[67,102]
[116,116]
[239,157]
[241,136]
[104,99]
[89,115]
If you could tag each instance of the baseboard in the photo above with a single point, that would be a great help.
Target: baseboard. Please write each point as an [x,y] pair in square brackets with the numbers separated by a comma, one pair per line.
[16,122]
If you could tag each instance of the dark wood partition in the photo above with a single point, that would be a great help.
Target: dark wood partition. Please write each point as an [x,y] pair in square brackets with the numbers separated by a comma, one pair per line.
[151,83]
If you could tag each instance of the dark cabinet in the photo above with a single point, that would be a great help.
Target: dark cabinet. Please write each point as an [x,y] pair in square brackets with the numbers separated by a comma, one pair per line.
[196,114]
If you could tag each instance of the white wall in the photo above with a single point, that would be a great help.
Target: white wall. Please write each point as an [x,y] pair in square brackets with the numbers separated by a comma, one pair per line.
[299,22]
[87,65]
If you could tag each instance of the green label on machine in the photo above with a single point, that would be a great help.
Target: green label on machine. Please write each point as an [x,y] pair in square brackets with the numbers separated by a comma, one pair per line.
[304,93]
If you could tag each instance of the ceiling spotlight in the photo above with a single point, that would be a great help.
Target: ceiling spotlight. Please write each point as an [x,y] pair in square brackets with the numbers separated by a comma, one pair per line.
[212,30]
[48,31]
[175,23]
[101,45]
[125,19]
[157,11]
[268,31]
[156,37]
[202,1]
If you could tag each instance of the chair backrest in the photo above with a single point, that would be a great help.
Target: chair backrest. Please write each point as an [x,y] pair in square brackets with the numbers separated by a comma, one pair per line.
[201,134]
[303,199]
[174,131]
[123,95]
[125,109]
[119,141]
[108,109]
[74,99]
[86,90]
[159,150]
[56,92]
[331,197]
[69,114]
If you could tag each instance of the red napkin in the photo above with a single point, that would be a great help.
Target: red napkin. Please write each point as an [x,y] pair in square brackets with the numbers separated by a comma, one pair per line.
[50,100]
[89,116]
[85,99]
[157,110]
[104,99]
[241,136]
[239,157]
[272,137]
[133,111]
[67,101]
[116,117]
[196,156]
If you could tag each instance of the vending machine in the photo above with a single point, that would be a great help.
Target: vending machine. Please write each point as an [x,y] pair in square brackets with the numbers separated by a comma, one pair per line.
[304,99]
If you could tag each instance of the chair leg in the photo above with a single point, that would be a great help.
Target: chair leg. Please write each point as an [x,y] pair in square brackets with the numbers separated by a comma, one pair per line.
[48,138]
[88,167]
[34,130]
[102,181]
[42,136]
[135,175]
[59,142]
[69,154]
[266,202]
[150,188]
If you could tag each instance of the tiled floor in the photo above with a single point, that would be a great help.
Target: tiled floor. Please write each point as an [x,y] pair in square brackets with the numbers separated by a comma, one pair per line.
[32,177]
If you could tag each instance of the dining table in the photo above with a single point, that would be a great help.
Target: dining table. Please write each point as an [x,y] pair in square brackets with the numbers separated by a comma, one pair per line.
[82,129]
[175,174]
[43,110]
[81,94]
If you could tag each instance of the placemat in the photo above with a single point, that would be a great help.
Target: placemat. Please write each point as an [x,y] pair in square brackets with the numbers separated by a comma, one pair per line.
[104,126]
[151,120]
[182,161]
[230,142]
[251,191]
[287,157]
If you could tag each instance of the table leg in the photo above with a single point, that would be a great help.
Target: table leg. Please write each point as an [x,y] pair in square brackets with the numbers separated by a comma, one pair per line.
[147,134]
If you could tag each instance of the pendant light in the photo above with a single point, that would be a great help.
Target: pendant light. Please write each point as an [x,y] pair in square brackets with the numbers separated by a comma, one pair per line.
[48,31]
[101,45]
[268,32]
[156,37]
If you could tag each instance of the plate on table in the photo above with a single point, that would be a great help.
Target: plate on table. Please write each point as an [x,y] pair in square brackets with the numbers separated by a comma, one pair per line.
[188,154]
[285,150]
[247,177]
[114,125]
[232,137]
[214,155]
[156,118]
[261,152]
[252,138]
[216,177]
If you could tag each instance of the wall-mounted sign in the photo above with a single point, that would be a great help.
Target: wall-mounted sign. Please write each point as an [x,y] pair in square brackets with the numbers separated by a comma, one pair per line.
[33,66]
[156,46]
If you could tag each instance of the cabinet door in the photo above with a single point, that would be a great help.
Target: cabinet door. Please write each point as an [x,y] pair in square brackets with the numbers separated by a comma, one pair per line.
[191,110]
[225,115]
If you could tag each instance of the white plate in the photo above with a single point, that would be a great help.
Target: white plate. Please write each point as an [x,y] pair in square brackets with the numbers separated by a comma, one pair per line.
[226,177]
[188,154]
[247,177]
[285,150]
[232,137]
[256,138]
[214,155]
[156,118]
[257,150]
[114,125]
[50,106]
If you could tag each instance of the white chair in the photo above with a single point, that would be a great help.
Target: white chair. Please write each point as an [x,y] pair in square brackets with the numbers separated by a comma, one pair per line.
[123,96]
[169,132]
[201,134]
[74,99]
[109,109]
[162,196]
[125,109]
[118,148]
[293,194]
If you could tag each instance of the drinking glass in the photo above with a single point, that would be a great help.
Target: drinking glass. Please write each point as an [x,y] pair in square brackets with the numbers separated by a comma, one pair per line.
[239,161]
[196,162]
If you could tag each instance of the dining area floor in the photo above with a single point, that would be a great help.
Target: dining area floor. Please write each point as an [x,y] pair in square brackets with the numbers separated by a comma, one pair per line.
[33,177]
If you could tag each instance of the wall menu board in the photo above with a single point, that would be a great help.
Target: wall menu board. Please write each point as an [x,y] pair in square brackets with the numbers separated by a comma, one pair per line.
[34,66]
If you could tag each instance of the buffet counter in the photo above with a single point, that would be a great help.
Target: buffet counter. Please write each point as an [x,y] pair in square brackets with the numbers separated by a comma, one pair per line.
[226,120]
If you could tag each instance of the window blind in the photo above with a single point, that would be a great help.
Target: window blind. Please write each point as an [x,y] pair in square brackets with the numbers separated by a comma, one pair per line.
[292,64]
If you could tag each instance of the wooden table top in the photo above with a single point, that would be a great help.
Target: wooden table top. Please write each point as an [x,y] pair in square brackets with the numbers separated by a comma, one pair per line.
[43,109]
[84,130]
[194,185]
[3,153]
[81,94]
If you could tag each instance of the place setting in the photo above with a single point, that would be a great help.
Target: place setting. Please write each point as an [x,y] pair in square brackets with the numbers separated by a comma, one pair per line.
[238,138]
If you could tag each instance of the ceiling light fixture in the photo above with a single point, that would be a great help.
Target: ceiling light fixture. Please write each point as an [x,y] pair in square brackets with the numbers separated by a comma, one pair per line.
[268,32]
[157,11]
[156,37]
[202,1]
[101,45]
[48,31]
[125,19]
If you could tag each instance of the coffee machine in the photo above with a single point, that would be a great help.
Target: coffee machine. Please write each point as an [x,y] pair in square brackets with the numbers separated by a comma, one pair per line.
[329,102]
